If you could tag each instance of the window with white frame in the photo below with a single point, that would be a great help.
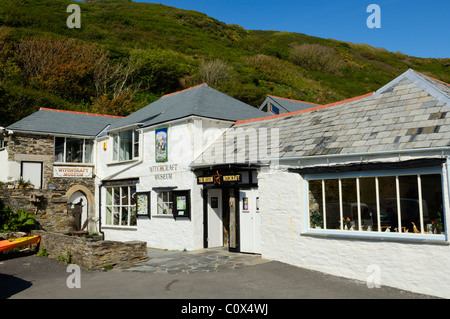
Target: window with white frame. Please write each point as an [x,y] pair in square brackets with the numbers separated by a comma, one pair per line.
[125,145]
[407,204]
[165,203]
[121,206]
[73,150]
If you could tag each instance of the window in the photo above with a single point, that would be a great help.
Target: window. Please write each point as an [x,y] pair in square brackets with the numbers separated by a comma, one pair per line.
[73,150]
[121,206]
[407,204]
[125,145]
[3,142]
[173,203]
[274,109]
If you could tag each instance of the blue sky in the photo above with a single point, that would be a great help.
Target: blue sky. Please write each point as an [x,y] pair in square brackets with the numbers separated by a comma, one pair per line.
[414,27]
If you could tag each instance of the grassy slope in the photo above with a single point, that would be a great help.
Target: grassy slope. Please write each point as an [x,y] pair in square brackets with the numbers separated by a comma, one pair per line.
[258,59]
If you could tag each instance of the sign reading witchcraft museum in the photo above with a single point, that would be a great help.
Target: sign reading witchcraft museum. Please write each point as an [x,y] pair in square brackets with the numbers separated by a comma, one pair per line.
[163,172]
[62,171]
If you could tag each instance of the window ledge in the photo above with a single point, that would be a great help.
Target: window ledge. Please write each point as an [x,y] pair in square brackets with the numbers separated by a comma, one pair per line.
[122,162]
[73,164]
[119,227]
[163,216]
[375,236]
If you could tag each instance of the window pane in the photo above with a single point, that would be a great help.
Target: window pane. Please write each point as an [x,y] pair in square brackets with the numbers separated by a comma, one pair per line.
[74,150]
[125,199]
[108,215]
[368,201]
[332,210]
[432,203]
[409,204]
[388,203]
[136,144]
[115,147]
[116,215]
[116,196]
[315,204]
[133,217]
[125,146]
[124,220]
[349,204]
[109,196]
[88,151]
[59,149]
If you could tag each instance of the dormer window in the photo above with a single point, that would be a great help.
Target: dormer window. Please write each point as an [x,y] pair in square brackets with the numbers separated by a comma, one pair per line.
[125,145]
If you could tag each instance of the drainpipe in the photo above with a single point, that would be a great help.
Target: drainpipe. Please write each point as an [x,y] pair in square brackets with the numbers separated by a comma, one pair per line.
[100,210]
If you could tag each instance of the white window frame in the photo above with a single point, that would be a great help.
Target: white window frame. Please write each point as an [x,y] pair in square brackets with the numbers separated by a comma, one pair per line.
[127,205]
[134,145]
[83,160]
[375,233]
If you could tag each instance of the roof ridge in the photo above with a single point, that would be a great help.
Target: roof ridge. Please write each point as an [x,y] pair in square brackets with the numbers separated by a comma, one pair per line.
[193,87]
[76,112]
[319,107]
[284,98]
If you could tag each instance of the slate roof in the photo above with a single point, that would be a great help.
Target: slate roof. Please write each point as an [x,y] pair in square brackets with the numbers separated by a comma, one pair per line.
[51,121]
[287,105]
[200,100]
[410,112]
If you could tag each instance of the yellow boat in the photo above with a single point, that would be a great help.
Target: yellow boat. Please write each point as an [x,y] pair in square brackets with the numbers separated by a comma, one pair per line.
[18,242]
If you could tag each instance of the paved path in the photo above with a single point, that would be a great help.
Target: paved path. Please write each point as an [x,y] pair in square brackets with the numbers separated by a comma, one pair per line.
[189,277]
[204,260]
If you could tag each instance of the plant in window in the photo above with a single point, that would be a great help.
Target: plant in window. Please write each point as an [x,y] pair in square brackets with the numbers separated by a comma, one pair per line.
[346,222]
[316,219]
[437,224]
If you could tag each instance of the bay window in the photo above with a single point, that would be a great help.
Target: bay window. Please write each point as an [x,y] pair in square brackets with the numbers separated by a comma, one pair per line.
[73,150]
[121,206]
[409,203]
[125,145]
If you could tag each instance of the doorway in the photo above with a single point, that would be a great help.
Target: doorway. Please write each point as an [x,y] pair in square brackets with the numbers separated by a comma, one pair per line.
[214,218]
[79,205]
[249,221]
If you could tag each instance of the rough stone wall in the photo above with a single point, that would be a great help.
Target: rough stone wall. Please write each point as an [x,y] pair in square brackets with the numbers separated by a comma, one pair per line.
[92,253]
[52,213]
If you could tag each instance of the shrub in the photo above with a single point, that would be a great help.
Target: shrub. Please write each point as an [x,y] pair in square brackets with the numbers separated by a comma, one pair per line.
[19,221]
[316,57]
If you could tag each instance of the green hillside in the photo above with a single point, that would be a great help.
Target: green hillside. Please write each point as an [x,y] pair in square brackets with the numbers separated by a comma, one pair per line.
[128,54]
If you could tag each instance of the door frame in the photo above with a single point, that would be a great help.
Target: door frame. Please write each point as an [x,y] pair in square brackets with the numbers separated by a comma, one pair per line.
[42,172]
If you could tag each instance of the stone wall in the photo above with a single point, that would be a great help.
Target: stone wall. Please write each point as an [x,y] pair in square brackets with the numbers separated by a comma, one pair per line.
[51,212]
[92,253]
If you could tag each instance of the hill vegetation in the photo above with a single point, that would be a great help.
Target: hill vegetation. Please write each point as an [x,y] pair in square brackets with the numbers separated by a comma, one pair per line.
[127,54]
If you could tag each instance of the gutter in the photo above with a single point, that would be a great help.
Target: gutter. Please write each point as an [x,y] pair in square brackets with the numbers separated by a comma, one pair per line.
[332,156]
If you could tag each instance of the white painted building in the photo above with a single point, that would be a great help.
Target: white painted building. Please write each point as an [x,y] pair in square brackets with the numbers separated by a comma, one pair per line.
[361,187]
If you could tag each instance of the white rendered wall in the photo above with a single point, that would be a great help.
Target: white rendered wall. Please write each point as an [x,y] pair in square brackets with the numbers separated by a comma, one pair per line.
[186,140]
[417,267]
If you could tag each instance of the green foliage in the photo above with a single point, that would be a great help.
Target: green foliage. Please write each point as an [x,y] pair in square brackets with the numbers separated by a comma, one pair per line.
[42,252]
[65,259]
[154,49]
[16,221]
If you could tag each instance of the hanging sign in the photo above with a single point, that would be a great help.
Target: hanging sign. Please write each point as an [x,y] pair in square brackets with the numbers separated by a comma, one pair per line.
[161,145]
[219,179]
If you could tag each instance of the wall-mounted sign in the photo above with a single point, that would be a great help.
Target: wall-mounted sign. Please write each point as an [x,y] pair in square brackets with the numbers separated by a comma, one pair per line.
[143,204]
[161,145]
[163,172]
[71,172]
[219,179]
